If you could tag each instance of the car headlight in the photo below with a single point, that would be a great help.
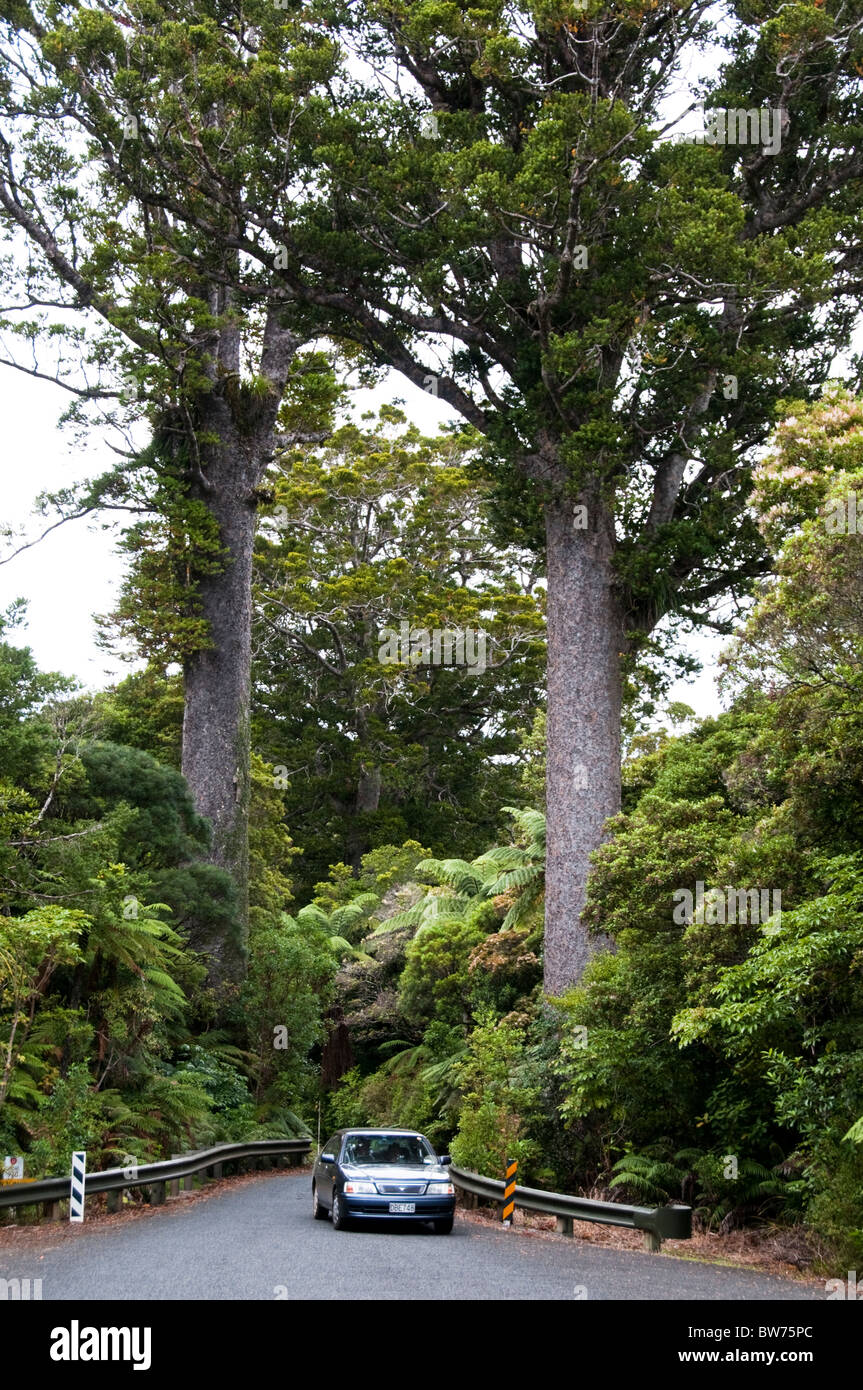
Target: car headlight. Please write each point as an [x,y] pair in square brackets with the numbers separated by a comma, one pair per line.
[440,1189]
[358,1187]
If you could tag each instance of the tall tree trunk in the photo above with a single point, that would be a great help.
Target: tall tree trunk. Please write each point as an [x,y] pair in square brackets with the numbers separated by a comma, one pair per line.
[369,778]
[236,429]
[337,1056]
[368,789]
[366,803]
[585,642]
[216,758]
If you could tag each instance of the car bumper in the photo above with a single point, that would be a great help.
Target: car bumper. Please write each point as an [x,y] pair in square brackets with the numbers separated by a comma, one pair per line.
[378,1208]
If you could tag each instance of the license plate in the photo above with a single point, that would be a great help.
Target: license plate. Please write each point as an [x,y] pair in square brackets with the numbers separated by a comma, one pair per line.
[403,1206]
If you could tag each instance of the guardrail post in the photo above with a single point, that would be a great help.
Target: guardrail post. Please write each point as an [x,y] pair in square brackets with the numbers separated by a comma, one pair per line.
[652,1242]
[178,1185]
[52,1211]
[115,1199]
[563,1225]
[78,1185]
[509,1192]
[157,1194]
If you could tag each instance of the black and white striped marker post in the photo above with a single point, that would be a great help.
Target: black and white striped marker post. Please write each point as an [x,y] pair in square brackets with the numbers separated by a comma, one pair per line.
[76,1194]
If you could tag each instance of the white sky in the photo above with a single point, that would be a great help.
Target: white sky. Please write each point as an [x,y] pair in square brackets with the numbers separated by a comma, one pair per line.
[73,573]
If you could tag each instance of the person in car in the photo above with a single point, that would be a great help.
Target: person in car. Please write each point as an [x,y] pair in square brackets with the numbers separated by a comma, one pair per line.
[361,1153]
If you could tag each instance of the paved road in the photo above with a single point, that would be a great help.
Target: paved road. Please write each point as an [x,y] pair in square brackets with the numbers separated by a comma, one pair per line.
[259,1242]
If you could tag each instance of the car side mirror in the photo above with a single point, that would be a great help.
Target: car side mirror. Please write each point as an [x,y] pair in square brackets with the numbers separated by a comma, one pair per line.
[328,1158]
[444,1160]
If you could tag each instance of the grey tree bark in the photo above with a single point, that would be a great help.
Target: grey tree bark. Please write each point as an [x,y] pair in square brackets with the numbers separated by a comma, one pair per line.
[217,682]
[585,643]
[366,802]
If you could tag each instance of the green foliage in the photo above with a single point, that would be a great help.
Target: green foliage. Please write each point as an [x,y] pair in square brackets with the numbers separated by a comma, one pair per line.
[435,979]
[345,1105]
[32,947]
[102,886]
[519,869]
[505,968]
[25,729]
[271,848]
[284,1000]
[73,1115]
[431,967]
[384,527]
[720,1194]
[159,610]
[532,760]
[145,710]
[405,1099]
[497,1104]
[226,1086]
[836,1207]
[511,877]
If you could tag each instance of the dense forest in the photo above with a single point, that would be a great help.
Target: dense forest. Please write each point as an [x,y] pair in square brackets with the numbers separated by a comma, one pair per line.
[405,987]
[394,820]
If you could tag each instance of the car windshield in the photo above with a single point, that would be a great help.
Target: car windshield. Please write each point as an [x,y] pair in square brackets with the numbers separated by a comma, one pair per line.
[386,1148]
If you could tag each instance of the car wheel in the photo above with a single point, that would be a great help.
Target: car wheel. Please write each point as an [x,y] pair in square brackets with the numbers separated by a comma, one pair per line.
[444,1225]
[319,1212]
[340,1220]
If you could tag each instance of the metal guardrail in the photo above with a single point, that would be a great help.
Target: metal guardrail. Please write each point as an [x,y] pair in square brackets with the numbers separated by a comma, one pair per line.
[657,1223]
[155,1176]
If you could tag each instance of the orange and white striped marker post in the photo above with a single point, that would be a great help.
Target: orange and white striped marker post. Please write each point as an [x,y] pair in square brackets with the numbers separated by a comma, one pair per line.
[509,1191]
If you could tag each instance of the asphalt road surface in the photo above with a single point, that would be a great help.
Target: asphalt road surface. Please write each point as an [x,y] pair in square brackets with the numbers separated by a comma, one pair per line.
[259,1242]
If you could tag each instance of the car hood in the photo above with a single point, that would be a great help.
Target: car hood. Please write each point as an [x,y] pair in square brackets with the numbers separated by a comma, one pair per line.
[397,1172]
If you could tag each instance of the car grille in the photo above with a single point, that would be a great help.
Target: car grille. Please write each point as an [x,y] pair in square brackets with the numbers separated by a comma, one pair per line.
[405,1189]
[426,1211]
